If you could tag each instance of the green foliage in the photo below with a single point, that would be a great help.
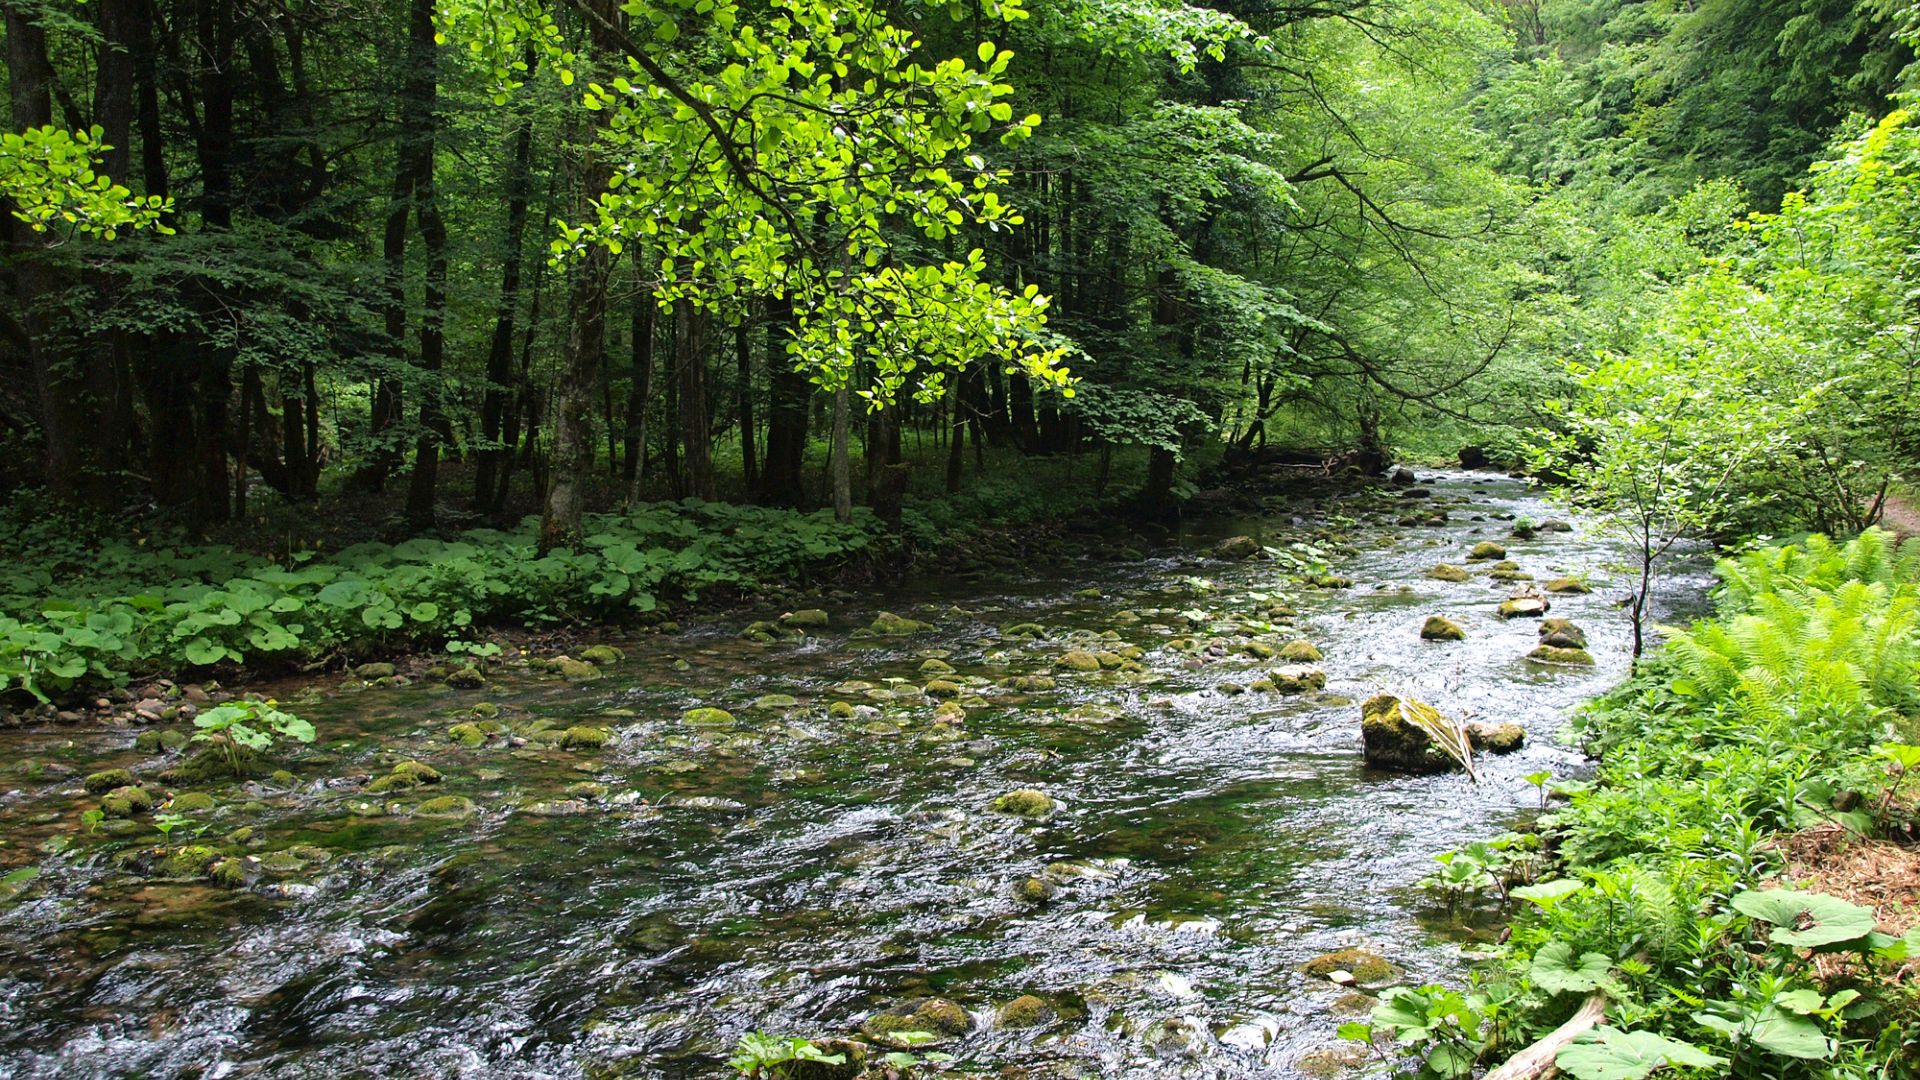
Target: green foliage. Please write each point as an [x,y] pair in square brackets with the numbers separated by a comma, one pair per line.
[760,1055]
[186,613]
[51,178]
[252,726]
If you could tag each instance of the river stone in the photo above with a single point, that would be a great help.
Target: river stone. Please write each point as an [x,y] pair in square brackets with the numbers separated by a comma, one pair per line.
[467,678]
[1367,968]
[1551,654]
[191,802]
[1562,634]
[1078,660]
[469,735]
[1441,628]
[1568,586]
[887,624]
[1230,689]
[840,710]
[1554,525]
[935,666]
[581,737]
[1034,890]
[935,1016]
[1297,678]
[707,717]
[1510,575]
[106,780]
[1300,651]
[775,701]
[1486,551]
[1259,650]
[1331,1061]
[1026,803]
[154,742]
[569,668]
[1026,631]
[852,1067]
[124,802]
[1236,547]
[445,807]
[602,654]
[1390,741]
[374,671]
[1497,738]
[1524,607]
[1449,572]
[804,618]
[1025,1011]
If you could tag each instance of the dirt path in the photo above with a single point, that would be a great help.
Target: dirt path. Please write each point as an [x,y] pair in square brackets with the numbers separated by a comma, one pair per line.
[1901,515]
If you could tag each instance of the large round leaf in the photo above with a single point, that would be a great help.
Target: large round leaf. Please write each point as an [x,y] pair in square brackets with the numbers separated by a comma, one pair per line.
[1808,920]
[1611,1054]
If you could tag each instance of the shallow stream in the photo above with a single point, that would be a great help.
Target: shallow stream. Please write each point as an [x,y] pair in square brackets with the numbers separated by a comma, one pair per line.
[633,909]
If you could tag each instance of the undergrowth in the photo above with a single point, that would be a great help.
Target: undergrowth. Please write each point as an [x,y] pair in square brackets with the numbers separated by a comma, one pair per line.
[1667,894]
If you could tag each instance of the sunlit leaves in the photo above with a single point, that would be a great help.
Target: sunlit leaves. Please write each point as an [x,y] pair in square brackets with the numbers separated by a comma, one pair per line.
[49,176]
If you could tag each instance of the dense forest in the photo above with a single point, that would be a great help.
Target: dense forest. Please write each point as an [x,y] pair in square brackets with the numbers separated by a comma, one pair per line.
[365,363]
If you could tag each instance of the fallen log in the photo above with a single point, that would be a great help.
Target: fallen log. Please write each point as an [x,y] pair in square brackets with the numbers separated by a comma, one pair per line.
[1536,1061]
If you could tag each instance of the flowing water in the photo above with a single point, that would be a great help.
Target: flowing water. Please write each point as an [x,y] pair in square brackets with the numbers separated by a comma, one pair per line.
[798,871]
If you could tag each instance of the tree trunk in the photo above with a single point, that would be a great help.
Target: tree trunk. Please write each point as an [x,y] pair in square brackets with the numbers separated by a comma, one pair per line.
[841,465]
[423,96]
[641,393]
[743,402]
[789,394]
[690,371]
[495,401]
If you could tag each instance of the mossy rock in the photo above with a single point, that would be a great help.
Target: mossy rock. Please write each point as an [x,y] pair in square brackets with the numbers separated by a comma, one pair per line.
[1567,586]
[1391,741]
[1262,686]
[1297,678]
[935,666]
[419,771]
[1030,684]
[775,702]
[1025,1011]
[448,807]
[230,873]
[191,802]
[281,863]
[1300,651]
[1026,631]
[1553,654]
[1034,890]
[852,1066]
[1331,1061]
[841,710]
[1441,628]
[1229,688]
[123,802]
[106,780]
[469,734]
[582,737]
[935,1016]
[1259,650]
[1330,581]
[154,742]
[942,688]
[190,861]
[1026,803]
[1562,634]
[805,618]
[467,678]
[950,712]
[553,737]
[602,655]
[707,717]
[1486,551]
[887,624]
[1523,607]
[1367,968]
[575,670]
[1510,575]
[1502,738]
[1449,572]
[374,671]
[1078,660]
[1236,548]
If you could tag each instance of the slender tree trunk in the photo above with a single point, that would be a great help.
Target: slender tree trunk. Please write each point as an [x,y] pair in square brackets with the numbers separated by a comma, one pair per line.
[842,465]
[956,433]
[641,394]
[690,370]
[789,395]
[423,95]
[495,401]
[743,400]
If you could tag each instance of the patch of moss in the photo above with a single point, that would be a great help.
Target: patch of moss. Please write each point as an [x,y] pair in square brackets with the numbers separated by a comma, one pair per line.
[581,737]
[1026,803]
[106,780]
[707,717]
[445,806]
[191,802]
[1024,1011]
[1300,651]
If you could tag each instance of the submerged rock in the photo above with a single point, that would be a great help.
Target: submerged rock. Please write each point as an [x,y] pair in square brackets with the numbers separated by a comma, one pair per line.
[935,666]
[775,701]
[602,655]
[1236,547]
[449,807]
[581,737]
[935,1016]
[1025,1011]
[1449,572]
[887,624]
[467,678]
[1441,628]
[1486,551]
[1367,968]
[106,780]
[707,717]
[1026,803]
[1297,678]
[1568,586]
[1553,654]
[1391,741]
[1026,631]
[1078,660]
[1034,890]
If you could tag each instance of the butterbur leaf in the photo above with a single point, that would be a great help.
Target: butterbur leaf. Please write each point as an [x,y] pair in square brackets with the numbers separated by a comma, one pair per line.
[1547,894]
[1610,1054]
[1556,971]
[1804,919]
[1791,1036]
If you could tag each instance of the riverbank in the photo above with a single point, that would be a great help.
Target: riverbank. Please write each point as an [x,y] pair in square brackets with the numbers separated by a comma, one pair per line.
[1737,886]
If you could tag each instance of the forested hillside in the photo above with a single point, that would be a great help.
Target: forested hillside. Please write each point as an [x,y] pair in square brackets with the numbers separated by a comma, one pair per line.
[846,540]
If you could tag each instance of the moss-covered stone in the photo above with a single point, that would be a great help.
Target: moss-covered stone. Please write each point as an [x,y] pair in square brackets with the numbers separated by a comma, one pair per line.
[602,655]
[1297,678]
[1300,651]
[775,702]
[468,734]
[805,618]
[230,873]
[1502,738]
[1391,741]
[190,861]
[1026,631]
[1567,586]
[1562,634]
[887,624]
[1259,650]
[106,780]
[1449,572]
[448,807]
[1486,551]
[374,671]
[1236,548]
[1030,684]
[1330,581]
[1367,968]
[935,666]
[841,710]
[467,678]
[127,801]
[1077,660]
[1025,802]
[1229,688]
[191,802]
[575,670]
[1441,628]
[155,742]
[1523,607]
[707,717]
[1025,1011]
[935,1016]
[1552,654]
[1034,890]
[1510,575]
[408,774]
[582,737]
